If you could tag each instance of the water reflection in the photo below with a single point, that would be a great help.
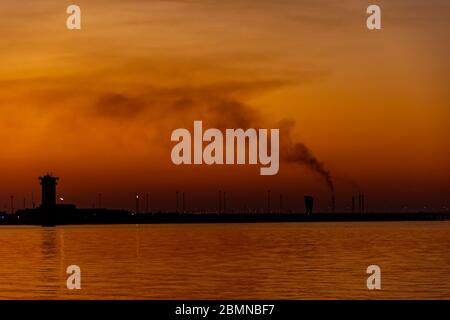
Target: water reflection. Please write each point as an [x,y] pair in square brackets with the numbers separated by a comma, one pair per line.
[230,261]
[50,246]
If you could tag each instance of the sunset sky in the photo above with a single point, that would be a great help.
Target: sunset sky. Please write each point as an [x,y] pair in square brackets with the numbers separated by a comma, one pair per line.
[97,106]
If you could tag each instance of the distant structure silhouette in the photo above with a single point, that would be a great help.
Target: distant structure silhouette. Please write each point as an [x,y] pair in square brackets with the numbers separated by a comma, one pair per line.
[309,203]
[48,183]
[361,205]
[137,202]
[51,213]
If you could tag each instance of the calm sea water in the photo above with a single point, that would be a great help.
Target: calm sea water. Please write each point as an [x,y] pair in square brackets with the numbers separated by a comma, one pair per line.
[227,261]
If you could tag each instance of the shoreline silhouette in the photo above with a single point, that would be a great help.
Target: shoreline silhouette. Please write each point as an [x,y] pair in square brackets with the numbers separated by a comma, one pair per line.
[76,216]
[49,213]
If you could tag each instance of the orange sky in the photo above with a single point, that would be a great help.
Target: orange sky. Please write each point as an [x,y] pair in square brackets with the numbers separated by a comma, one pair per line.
[97,106]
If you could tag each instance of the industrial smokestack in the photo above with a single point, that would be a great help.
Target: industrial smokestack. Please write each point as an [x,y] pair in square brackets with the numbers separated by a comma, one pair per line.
[333,203]
[309,203]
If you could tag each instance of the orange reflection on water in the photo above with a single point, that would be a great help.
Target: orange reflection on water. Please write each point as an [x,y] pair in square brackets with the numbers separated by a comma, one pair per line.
[227,261]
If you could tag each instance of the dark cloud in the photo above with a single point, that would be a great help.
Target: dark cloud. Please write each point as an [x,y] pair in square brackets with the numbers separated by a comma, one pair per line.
[119,106]
[222,104]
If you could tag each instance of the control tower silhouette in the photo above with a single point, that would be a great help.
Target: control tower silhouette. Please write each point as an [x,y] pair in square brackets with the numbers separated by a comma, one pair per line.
[48,183]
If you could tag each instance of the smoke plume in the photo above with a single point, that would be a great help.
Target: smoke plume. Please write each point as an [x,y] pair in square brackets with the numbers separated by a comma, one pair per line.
[298,152]
[220,106]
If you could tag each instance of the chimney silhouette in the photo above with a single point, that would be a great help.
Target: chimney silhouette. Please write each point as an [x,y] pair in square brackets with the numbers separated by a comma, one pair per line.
[48,183]
[309,203]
